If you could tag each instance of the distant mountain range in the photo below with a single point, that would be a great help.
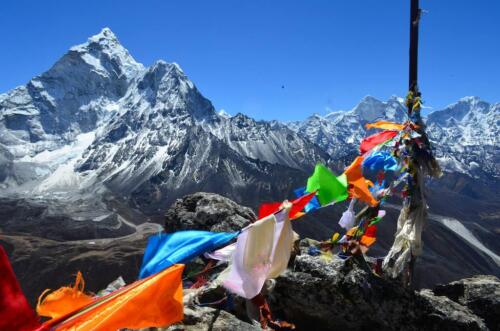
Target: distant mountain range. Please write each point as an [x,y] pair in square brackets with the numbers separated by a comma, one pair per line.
[99,144]
[464,134]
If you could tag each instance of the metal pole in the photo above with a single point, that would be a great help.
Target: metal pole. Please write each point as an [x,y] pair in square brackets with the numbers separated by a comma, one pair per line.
[400,261]
[413,88]
[414,22]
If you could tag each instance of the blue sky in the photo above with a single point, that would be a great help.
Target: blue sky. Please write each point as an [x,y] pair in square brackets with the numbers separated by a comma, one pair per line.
[327,54]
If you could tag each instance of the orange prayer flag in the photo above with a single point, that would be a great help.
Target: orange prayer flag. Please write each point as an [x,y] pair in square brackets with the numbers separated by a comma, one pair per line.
[358,187]
[367,241]
[64,300]
[297,215]
[385,125]
[155,301]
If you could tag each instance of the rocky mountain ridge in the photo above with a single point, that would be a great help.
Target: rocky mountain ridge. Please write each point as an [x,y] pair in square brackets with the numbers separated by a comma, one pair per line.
[464,135]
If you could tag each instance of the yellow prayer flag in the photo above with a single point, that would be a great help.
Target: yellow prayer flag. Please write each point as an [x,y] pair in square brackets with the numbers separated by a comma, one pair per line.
[385,125]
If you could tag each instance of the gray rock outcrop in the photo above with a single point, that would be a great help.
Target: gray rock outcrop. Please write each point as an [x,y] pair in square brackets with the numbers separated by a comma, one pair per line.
[207,211]
[341,294]
[481,294]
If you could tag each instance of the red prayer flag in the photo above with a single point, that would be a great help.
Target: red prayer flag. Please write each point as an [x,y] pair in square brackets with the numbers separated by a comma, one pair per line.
[371,231]
[15,312]
[370,236]
[268,208]
[369,142]
[298,205]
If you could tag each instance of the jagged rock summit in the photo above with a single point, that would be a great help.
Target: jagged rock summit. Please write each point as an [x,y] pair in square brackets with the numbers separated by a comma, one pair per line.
[321,295]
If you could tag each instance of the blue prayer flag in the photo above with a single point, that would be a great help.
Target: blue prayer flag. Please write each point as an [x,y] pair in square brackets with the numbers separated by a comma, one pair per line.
[381,161]
[165,250]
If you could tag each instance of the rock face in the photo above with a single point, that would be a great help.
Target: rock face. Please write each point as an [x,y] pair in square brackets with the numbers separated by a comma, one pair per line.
[207,211]
[481,294]
[205,318]
[197,317]
[342,295]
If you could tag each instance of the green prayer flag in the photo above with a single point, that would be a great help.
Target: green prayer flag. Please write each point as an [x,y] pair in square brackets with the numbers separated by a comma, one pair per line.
[343,180]
[375,220]
[328,186]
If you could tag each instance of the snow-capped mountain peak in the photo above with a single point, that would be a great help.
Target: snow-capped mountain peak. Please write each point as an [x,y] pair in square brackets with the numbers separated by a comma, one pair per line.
[74,96]
[371,109]
[464,110]
[465,135]
[223,113]
[105,35]
[103,47]
[127,129]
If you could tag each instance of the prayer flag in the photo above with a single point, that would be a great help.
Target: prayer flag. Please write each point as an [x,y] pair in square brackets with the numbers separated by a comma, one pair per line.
[155,301]
[328,187]
[268,208]
[381,161]
[164,250]
[64,300]
[262,252]
[312,204]
[358,186]
[370,236]
[369,142]
[298,205]
[15,312]
[385,125]
[348,218]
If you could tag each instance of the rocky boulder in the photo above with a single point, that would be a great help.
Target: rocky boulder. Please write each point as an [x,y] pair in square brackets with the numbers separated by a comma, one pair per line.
[207,211]
[480,293]
[334,295]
